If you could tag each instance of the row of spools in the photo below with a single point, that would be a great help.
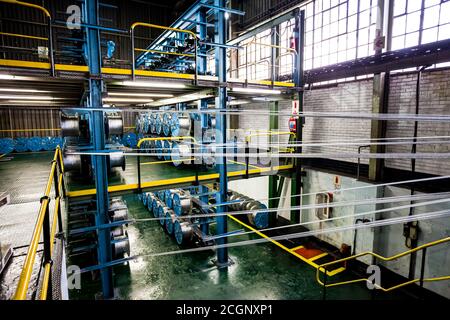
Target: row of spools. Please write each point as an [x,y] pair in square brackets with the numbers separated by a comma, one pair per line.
[164,124]
[33,144]
[170,206]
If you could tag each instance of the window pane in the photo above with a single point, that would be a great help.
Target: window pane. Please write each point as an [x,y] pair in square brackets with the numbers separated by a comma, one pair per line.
[444,32]
[399,7]
[413,22]
[429,35]
[399,26]
[431,17]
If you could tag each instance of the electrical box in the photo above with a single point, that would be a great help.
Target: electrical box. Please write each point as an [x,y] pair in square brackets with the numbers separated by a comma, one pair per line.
[43,52]
[324,199]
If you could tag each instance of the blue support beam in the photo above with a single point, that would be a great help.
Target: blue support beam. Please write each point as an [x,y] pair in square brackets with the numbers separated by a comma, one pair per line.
[104,253]
[221,128]
[202,66]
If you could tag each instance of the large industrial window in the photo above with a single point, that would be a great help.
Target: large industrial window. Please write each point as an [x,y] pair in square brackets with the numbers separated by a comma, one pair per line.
[418,22]
[338,30]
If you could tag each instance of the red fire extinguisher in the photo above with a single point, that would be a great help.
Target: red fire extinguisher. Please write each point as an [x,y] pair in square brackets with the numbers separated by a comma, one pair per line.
[293,124]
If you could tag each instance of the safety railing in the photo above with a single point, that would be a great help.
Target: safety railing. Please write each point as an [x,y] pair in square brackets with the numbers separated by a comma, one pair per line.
[150,25]
[49,39]
[46,228]
[421,279]
[141,141]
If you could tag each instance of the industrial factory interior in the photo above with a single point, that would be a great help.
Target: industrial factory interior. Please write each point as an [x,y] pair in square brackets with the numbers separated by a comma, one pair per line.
[249,150]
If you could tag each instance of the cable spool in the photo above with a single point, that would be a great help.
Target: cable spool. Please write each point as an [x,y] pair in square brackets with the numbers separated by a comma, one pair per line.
[130,140]
[137,123]
[20,145]
[70,125]
[155,206]
[180,125]
[168,198]
[161,195]
[72,162]
[113,124]
[34,144]
[167,150]
[150,199]
[121,247]
[208,155]
[145,196]
[183,232]
[116,160]
[153,117]
[117,232]
[181,154]
[159,149]
[7,145]
[259,219]
[158,124]
[118,210]
[170,221]
[212,122]
[167,121]
[146,127]
[182,204]
[162,210]
[55,142]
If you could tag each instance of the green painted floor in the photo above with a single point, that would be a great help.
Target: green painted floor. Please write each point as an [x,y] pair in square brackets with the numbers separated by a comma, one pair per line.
[260,271]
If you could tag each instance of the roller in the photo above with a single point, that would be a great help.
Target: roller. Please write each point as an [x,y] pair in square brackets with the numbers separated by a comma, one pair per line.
[137,123]
[259,219]
[117,232]
[146,127]
[70,125]
[113,124]
[118,210]
[181,154]
[183,232]
[167,150]
[145,197]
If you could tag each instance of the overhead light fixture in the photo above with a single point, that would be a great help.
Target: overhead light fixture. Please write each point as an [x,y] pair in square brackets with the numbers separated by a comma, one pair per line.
[130,100]
[152,84]
[125,94]
[204,94]
[6,77]
[30,102]
[22,90]
[238,102]
[14,97]
[265,99]
[255,91]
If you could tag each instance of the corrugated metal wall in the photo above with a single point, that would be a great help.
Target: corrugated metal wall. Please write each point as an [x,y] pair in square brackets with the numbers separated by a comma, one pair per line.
[21,120]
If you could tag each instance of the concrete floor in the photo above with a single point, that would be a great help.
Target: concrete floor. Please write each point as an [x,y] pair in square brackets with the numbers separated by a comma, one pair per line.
[260,271]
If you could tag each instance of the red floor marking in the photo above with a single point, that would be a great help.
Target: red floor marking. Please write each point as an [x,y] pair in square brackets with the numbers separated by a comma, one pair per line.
[308,253]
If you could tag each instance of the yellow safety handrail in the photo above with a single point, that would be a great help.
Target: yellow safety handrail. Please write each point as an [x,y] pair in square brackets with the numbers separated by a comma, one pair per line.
[156,26]
[30,5]
[394,257]
[27,270]
[49,39]
[17,35]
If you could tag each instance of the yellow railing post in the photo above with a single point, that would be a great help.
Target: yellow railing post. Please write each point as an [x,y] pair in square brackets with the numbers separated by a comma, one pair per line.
[43,227]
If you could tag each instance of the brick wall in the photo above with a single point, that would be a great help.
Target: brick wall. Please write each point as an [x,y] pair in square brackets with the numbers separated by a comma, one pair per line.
[357,97]
[434,99]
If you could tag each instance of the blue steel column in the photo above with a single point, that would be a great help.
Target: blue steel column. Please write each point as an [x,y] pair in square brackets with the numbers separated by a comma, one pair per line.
[98,140]
[221,127]
[201,64]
